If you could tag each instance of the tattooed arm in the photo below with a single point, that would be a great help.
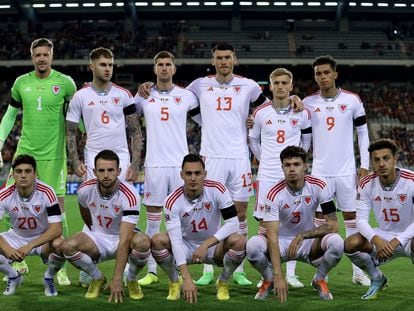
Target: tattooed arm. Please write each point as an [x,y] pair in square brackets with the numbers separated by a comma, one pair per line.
[134,130]
[78,166]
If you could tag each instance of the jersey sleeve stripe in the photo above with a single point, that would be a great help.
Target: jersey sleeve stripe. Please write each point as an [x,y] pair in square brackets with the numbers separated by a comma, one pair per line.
[132,199]
[7,192]
[87,183]
[173,197]
[215,184]
[261,107]
[367,179]
[275,190]
[407,175]
[48,191]
[315,181]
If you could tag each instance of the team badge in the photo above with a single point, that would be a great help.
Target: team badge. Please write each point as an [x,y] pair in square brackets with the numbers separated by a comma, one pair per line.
[207,206]
[402,198]
[307,200]
[343,107]
[294,122]
[177,100]
[237,89]
[37,208]
[117,209]
[116,100]
[56,89]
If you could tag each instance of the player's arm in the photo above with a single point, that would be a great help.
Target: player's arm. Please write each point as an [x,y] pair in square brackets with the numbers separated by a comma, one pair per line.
[134,131]
[54,231]
[71,128]
[272,236]
[5,248]
[254,139]
[86,215]
[361,127]
[196,115]
[126,232]
[144,89]
[7,124]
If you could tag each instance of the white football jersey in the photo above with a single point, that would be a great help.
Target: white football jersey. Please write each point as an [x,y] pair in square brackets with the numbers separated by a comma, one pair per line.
[276,130]
[392,207]
[108,212]
[103,116]
[224,110]
[295,211]
[30,217]
[165,116]
[333,132]
[198,219]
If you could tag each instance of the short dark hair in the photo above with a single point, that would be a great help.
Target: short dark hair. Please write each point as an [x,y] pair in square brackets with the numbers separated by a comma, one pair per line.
[223,46]
[24,159]
[108,155]
[293,152]
[324,60]
[41,42]
[193,158]
[383,143]
[101,51]
[164,54]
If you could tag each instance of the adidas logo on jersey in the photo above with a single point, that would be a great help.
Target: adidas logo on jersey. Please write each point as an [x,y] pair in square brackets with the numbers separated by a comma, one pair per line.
[91,104]
[186,215]
[286,206]
[317,109]
[210,89]
[152,100]
[269,122]
[378,199]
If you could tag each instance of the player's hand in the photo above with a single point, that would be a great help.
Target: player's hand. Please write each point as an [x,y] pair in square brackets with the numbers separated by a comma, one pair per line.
[144,89]
[13,253]
[281,288]
[294,246]
[200,254]
[25,250]
[384,249]
[1,156]
[117,291]
[296,103]
[362,172]
[189,290]
[132,174]
[81,169]
[250,122]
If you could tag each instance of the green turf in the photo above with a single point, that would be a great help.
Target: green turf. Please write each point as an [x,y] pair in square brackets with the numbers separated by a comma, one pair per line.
[346,295]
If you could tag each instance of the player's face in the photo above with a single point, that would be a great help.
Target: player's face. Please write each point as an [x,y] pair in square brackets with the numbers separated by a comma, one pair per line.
[294,169]
[193,175]
[224,62]
[102,69]
[325,76]
[107,172]
[164,69]
[384,163]
[24,176]
[281,86]
[42,59]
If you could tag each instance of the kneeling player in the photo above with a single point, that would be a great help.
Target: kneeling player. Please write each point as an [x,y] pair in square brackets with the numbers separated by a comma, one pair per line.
[193,215]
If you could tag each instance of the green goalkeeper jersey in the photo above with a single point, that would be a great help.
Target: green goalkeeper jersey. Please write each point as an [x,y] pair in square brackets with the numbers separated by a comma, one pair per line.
[43,102]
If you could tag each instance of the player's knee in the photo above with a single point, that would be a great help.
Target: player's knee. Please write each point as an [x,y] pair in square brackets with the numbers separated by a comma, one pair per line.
[353,243]
[69,246]
[160,241]
[334,243]
[56,245]
[140,242]
[254,248]
[236,242]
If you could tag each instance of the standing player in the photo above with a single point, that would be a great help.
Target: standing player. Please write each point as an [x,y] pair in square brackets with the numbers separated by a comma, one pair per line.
[110,209]
[388,192]
[335,113]
[106,110]
[290,229]
[42,94]
[36,220]
[193,216]
[277,126]
[165,112]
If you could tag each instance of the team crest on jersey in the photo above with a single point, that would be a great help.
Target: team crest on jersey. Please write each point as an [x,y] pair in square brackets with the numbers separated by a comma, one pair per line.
[207,206]
[343,107]
[147,195]
[37,208]
[402,198]
[116,100]
[117,210]
[307,200]
[56,89]
[237,89]
[294,122]
[177,100]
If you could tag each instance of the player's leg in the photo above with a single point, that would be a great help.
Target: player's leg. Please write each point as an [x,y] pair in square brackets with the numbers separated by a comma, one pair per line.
[14,278]
[362,254]
[54,173]
[81,250]
[346,200]
[137,259]
[53,256]
[161,251]
[230,253]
